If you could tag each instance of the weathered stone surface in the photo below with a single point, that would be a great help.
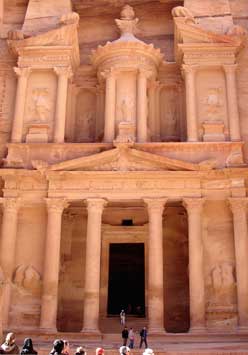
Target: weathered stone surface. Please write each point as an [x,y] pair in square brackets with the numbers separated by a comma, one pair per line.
[124,125]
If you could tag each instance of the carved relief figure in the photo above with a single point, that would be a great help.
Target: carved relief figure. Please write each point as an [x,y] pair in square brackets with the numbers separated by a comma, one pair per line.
[126,108]
[27,277]
[221,285]
[87,125]
[40,107]
[213,103]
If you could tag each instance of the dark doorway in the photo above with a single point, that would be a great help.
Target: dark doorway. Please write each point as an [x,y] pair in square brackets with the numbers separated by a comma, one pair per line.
[126,289]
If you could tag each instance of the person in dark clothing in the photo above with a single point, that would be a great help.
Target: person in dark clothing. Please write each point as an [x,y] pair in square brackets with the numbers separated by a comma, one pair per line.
[28,347]
[124,334]
[80,351]
[143,337]
[58,346]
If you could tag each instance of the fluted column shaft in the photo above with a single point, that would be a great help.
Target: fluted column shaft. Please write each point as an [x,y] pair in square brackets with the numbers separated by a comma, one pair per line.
[142,107]
[232,102]
[8,249]
[49,301]
[239,210]
[155,265]
[192,122]
[64,73]
[110,103]
[92,265]
[196,272]
[17,127]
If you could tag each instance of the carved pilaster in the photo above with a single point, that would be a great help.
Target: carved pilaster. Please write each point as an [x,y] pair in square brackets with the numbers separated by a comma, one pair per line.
[8,247]
[231,86]
[64,73]
[92,267]
[110,105]
[239,210]
[192,122]
[155,209]
[23,75]
[194,207]
[49,302]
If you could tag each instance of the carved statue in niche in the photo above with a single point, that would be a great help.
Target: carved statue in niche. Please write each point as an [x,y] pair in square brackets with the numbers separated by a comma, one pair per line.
[171,115]
[40,107]
[221,285]
[213,103]
[86,125]
[126,108]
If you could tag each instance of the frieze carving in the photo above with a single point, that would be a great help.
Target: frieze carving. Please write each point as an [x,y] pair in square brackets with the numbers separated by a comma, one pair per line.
[181,11]
[69,19]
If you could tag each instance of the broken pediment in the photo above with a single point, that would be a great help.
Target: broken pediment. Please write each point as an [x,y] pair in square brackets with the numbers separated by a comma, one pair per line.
[125,158]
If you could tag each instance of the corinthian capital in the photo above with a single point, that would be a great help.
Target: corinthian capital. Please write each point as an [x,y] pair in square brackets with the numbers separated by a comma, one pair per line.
[155,204]
[238,205]
[10,203]
[193,204]
[96,204]
[22,72]
[230,68]
[64,71]
[56,205]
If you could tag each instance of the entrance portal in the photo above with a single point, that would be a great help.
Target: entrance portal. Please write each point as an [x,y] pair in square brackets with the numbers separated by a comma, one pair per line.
[126,289]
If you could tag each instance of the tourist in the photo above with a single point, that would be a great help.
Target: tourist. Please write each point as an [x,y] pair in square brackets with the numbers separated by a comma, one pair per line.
[124,350]
[143,337]
[122,317]
[131,338]
[9,346]
[99,351]
[66,350]
[80,351]
[27,348]
[124,335]
[58,346]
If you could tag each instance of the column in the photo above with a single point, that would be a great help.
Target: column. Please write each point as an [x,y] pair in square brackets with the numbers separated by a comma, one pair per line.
[191,113]
[21,93]
[8,248]
[99,110]
[232,102]
[239,210]
[155,265]
[194,208]
[154,113]
[110,103]
[142,107]
[64,73]
[92,265]
[49,300]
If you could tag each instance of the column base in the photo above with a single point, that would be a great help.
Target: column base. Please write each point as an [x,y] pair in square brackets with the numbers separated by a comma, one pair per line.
[92,333]
[156,331]
[243,329]
[197,330]
[48,330]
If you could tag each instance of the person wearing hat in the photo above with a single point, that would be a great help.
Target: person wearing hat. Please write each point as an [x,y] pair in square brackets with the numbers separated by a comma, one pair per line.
[124,350]
[9,346]
[99,351]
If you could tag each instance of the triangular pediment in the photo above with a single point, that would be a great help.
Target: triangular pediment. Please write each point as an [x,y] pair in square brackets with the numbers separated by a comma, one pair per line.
[125,158]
